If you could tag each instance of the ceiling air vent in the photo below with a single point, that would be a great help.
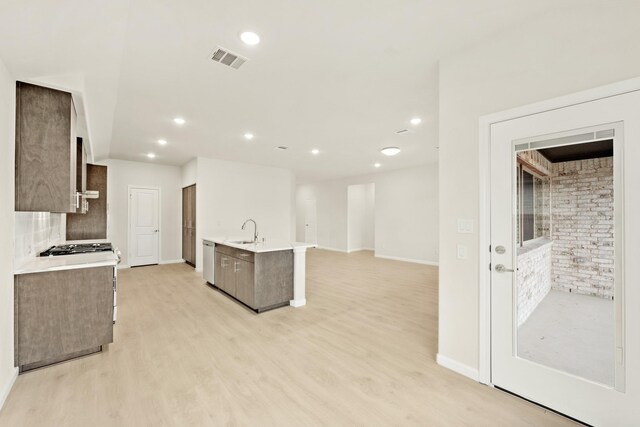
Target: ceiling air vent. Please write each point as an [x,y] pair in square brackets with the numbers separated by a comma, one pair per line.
[228,58]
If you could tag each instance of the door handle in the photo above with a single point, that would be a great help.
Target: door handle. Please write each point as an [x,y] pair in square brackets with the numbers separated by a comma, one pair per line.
[500,268]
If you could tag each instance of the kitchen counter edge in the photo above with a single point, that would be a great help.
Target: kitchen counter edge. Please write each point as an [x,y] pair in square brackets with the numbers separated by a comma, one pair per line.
[269,246]
[66,262]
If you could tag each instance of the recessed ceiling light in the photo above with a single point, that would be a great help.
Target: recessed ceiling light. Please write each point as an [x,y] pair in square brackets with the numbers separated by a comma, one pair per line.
[248,136]
[179,121]
[390,151]
[250,38]
[416,121]
[315,151]
[162,141]
[151,155]
[376,165]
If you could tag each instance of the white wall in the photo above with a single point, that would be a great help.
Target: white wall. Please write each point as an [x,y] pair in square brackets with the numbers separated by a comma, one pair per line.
[360,217]
[228,193]
[557,54]
[189,173]
[7,170]
[405,214]
[121,174]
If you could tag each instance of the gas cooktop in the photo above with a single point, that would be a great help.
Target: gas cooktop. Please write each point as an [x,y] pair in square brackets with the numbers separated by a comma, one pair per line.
[80,248]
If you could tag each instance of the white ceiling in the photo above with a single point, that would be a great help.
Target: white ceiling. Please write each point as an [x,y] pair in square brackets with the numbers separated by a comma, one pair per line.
[340,76]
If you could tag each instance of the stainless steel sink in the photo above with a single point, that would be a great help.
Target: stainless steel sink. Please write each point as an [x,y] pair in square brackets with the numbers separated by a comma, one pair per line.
[240,242]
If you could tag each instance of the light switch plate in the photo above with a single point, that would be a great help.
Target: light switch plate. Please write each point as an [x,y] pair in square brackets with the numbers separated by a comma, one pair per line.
[462,252]
[465,226]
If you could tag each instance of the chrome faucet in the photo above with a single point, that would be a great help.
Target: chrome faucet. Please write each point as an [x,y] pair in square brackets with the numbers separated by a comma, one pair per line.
[255,229]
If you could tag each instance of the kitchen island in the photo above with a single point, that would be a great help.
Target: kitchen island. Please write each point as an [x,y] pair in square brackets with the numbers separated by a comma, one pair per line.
[263,275]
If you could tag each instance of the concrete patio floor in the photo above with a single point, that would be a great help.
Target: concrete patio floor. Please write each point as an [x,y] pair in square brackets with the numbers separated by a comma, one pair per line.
[572,333]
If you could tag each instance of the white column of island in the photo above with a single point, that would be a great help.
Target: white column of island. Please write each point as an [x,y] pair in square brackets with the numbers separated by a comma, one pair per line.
[299,260]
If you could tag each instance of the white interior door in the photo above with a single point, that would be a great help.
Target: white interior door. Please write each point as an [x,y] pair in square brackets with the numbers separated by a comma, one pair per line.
[565,328]
[144,223]
[310,225]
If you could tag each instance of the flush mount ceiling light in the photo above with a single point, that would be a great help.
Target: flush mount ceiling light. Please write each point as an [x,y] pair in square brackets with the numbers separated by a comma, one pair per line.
[415,121]
[250,38]
[376,165]
[315,151]
[248,136]
[179,121]
[151,156]
[162,141]
[390,151]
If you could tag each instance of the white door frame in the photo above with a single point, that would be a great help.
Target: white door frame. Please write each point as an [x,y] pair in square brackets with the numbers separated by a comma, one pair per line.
[143,187]
[484,219]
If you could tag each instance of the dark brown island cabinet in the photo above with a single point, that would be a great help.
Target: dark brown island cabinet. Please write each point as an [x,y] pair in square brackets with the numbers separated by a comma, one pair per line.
[262,280]
[61,315]
[189,225]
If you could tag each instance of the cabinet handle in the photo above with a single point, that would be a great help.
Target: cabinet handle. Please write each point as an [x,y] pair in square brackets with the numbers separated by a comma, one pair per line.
[235,267]
[224,262]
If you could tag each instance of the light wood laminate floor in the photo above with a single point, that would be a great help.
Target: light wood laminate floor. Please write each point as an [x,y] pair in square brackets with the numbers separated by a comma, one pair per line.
[361,353]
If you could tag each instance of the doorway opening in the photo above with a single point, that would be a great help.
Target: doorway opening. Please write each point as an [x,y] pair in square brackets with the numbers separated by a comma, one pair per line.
[361,217]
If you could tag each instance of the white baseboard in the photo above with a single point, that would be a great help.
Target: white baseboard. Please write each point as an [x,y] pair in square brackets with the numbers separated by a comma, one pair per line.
[325,248]
[198,270]
[123,266]
[360,249]
[415,261]
[6,388]
[458,367]
[171,261]
[297,303]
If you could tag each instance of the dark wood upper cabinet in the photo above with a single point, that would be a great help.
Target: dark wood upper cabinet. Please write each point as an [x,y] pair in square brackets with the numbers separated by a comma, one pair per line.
[93,223]
[46,150]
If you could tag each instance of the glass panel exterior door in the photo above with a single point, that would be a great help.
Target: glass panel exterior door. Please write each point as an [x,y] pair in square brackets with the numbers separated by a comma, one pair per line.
[564,259]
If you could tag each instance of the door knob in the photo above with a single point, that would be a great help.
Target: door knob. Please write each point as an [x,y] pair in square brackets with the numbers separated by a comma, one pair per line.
[500,268]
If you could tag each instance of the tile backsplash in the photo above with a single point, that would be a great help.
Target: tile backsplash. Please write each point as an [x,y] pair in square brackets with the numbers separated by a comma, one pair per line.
[37,231]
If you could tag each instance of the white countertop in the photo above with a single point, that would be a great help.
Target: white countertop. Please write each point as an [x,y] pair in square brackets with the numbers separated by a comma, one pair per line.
[66,262]
[268,246]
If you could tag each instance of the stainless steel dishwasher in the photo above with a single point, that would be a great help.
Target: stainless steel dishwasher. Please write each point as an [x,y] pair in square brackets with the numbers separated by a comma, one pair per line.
[208,260]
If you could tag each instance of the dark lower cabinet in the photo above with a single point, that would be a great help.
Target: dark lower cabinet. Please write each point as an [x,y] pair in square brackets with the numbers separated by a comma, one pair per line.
[60,315]
[261,281]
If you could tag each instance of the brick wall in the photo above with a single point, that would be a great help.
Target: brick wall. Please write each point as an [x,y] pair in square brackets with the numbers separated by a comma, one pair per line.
[534,276]
[582,227]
